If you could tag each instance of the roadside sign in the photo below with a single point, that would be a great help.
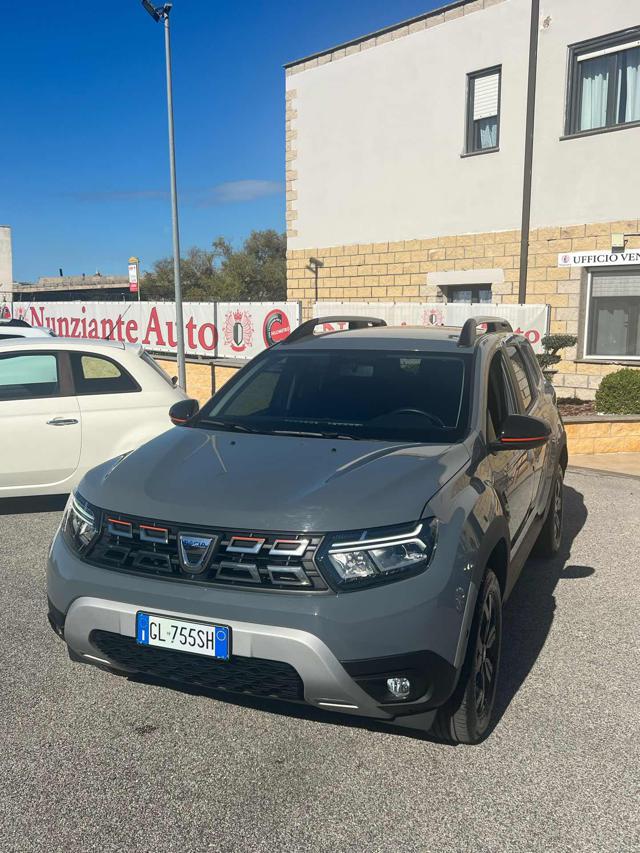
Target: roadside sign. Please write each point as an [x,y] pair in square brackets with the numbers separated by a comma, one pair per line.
[134,275]
[237,330]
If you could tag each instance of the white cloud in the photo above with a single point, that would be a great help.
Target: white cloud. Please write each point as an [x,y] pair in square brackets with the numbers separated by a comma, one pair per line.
[118,195]
[232,192]
[229,192]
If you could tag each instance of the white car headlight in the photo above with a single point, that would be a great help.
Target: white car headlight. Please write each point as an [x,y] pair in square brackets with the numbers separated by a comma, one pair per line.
[378,555]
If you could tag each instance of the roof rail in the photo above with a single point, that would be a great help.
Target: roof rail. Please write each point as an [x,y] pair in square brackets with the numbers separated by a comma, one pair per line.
[305,330]
[470,328]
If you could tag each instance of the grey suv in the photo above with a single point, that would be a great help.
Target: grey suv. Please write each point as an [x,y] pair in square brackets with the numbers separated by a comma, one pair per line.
[339,525]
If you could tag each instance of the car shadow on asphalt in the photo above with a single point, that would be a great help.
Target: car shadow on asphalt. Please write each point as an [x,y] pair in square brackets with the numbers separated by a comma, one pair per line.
[529,612]
[527,620]
[35,503]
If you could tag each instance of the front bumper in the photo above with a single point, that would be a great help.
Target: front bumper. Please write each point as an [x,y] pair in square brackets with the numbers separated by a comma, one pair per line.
[326,682]
[402,628]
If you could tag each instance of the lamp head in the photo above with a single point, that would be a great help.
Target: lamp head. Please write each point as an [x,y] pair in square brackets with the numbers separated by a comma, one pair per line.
[157,12]
[618,242]
[151,9]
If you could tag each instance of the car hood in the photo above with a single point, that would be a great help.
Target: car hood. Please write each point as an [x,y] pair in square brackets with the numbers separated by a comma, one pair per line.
[264,482]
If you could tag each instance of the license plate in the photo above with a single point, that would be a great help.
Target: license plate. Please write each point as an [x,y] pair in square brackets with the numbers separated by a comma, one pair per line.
[199,638]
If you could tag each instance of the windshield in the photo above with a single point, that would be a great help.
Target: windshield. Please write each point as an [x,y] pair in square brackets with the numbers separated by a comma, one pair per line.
[386,396]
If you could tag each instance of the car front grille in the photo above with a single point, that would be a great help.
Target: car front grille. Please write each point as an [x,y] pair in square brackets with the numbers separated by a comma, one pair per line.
[240,558]
[252,676]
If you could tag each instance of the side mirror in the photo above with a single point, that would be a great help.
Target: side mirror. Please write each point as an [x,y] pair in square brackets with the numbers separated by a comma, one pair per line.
[183,411]
[522,432]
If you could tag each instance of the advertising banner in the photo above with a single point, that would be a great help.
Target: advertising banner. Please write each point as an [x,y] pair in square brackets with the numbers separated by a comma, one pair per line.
[532,321]
[215,329]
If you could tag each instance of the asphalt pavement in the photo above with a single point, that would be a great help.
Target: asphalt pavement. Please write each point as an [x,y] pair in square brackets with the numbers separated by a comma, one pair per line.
[92,761]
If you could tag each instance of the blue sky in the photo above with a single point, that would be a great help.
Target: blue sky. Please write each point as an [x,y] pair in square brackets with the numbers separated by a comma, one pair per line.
[83,143]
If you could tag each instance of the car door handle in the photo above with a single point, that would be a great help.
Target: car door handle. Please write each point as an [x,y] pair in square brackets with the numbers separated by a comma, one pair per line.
[62,422]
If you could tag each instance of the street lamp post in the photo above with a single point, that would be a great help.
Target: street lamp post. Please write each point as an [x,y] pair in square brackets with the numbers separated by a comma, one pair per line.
[161,13]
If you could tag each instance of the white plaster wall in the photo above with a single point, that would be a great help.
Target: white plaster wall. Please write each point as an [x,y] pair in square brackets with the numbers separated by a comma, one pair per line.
[593,178]
[6,264]
[380,133]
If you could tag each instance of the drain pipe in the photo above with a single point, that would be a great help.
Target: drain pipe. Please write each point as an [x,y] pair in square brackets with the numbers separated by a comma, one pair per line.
[528,151]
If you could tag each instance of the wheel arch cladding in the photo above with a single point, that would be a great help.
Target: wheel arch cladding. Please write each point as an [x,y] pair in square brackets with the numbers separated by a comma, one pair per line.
[494,553]
[498,562]
[564,457]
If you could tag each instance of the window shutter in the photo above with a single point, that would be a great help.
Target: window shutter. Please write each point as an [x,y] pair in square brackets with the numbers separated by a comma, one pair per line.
[607,50]
[485,96]
[615,285]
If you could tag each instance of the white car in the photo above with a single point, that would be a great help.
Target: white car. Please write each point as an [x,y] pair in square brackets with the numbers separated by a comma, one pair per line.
[13,329]
[67,404]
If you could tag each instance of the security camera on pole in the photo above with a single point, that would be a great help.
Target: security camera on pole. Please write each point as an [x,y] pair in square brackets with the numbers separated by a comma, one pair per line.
[161,13]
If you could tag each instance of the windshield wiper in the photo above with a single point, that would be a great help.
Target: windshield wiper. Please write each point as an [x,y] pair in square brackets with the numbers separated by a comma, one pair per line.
[306,434]
[227,425]
[265,431]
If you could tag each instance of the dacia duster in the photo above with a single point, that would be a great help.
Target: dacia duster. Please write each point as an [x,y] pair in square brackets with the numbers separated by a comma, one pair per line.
[339,525]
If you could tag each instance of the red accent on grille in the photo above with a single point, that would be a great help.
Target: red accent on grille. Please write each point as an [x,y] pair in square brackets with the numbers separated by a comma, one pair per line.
[126,525]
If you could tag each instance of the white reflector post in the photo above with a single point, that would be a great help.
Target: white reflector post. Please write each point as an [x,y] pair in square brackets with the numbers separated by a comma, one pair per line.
[485,96]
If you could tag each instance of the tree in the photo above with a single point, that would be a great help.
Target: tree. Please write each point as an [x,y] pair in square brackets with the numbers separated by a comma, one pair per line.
[552,345]
[256,272]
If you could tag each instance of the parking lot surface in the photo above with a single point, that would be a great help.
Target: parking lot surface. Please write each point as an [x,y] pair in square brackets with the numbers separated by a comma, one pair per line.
[89,760]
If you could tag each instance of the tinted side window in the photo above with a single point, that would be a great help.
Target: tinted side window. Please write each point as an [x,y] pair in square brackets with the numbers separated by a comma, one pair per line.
[531,363]
[500,397]
[522,377]
[27,376]
[93,374]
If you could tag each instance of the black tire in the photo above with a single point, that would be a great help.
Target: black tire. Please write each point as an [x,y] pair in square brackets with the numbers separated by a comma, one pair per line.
[550,537]
[467,716]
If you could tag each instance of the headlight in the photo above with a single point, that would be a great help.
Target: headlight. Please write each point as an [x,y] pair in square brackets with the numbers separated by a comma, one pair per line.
[80,523]
[366,557]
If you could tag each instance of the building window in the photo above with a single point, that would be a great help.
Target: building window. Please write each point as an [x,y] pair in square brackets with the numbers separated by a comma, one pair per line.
[469,293]
[483,110]
[613,316]
[604,83]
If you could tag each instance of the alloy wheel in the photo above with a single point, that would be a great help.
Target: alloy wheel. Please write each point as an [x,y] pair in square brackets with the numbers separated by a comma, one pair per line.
[557,511]
[487,656]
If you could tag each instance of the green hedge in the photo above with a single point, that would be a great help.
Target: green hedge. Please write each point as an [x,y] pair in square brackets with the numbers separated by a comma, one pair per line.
[619,393]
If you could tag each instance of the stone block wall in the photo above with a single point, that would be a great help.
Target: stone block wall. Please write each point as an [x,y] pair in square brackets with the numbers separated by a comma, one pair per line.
[603,436]
[203,378]
[402,272]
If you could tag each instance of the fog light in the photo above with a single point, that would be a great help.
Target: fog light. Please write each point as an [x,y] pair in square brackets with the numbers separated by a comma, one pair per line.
[399,687]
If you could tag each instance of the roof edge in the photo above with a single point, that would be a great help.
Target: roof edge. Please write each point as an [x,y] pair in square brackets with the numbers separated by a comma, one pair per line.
[389,29]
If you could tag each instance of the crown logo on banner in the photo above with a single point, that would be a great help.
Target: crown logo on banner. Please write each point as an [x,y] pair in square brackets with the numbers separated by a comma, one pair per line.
[238,330]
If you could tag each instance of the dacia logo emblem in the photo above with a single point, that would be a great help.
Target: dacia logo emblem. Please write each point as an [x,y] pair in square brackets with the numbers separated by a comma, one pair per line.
[194,550]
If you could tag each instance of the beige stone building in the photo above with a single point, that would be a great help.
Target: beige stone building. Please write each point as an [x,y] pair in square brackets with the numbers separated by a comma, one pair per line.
[6,265]
[406,154]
